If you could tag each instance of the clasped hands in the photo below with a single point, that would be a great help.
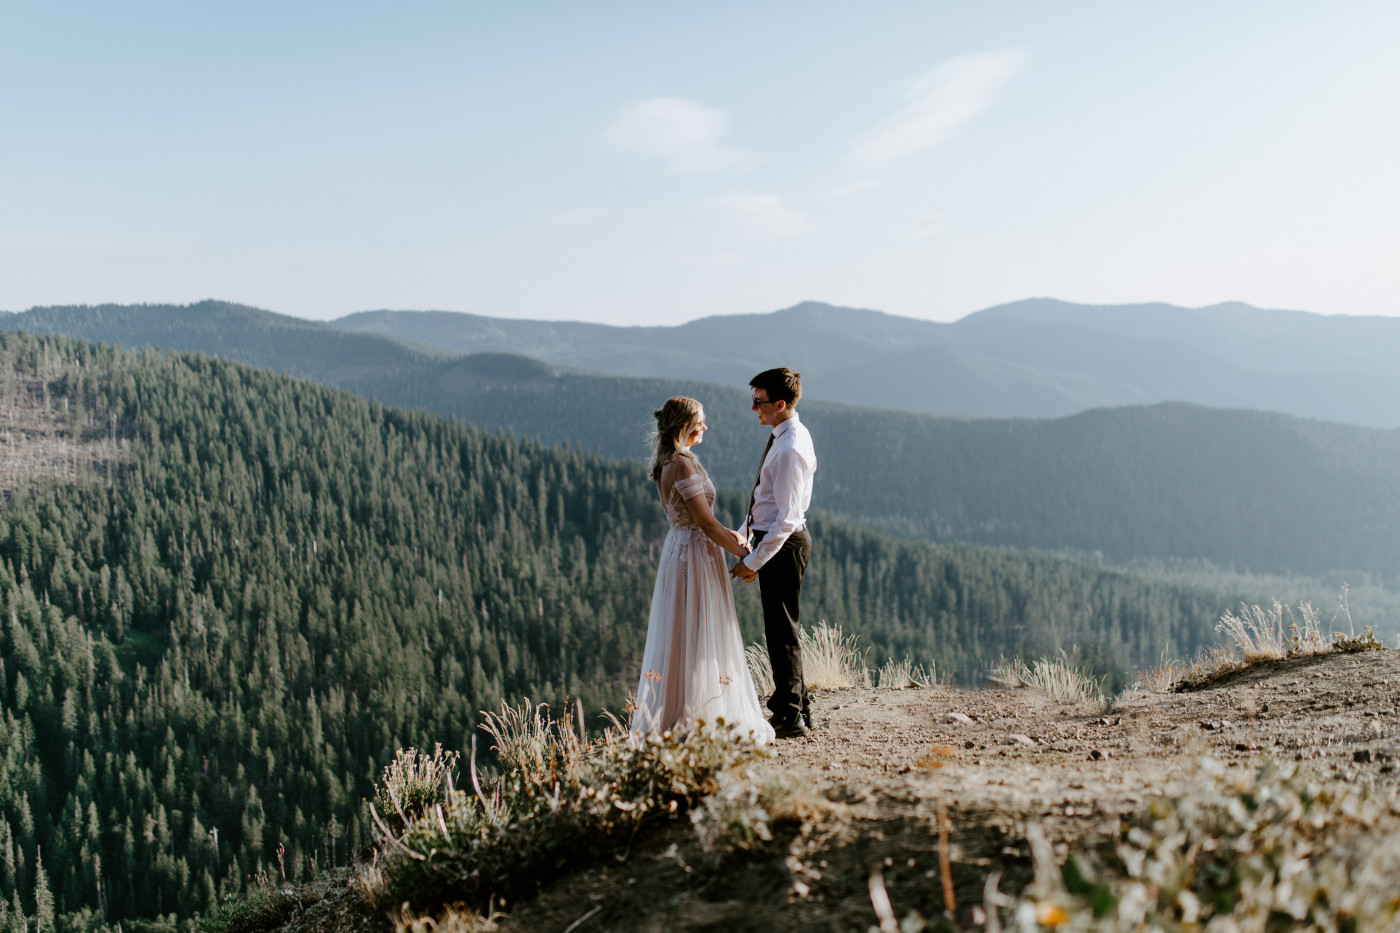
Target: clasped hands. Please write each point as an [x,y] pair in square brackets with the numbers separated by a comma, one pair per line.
[740,570]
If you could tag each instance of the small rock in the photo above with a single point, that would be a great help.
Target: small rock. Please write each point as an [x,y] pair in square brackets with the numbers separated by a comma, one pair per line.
[1022,738]
[969,744]
[1362,755]
[958,717]
[1098,754]
[1263,707]
[800,889]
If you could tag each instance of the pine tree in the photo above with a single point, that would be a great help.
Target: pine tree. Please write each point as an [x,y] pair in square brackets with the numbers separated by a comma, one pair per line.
[44,917]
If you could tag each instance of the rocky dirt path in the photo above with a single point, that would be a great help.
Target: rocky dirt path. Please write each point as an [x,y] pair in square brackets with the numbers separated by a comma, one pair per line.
[993,761]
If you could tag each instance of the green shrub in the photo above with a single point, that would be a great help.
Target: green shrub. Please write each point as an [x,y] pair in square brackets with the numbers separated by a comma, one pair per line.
[412,784]
[570,802]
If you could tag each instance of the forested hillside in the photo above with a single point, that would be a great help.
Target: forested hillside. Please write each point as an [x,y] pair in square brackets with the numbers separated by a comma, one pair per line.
[1248,490]
[228,597]
[1242,489]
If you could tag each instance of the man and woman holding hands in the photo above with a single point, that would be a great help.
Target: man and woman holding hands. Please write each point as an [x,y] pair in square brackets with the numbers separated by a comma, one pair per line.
[693,665]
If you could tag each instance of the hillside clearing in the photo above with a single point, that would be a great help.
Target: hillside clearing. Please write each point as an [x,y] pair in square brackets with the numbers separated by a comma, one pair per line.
[37,441]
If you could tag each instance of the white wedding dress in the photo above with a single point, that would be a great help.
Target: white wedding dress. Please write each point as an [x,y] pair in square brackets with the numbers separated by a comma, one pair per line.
[693,667]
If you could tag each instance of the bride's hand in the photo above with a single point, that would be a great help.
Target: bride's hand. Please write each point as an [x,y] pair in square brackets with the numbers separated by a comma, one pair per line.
[740,539]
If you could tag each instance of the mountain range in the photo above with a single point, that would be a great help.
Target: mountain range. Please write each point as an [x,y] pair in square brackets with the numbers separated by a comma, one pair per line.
[1033,358]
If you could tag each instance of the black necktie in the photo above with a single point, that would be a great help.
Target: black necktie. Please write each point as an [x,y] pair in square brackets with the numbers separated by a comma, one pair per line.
[758,478]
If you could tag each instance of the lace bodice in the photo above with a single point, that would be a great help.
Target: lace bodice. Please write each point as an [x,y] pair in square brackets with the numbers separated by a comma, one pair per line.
[684,478]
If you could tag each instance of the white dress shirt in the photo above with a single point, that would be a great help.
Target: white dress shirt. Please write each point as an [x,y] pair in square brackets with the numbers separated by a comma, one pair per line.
[784,491]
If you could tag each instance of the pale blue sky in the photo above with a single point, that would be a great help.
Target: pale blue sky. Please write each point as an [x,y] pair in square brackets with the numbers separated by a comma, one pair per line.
[652,163]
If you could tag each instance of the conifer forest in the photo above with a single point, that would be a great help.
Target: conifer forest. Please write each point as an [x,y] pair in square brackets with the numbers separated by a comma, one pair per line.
[228,596]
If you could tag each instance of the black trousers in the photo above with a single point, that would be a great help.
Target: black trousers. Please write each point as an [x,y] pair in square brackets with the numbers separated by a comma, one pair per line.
[780,588]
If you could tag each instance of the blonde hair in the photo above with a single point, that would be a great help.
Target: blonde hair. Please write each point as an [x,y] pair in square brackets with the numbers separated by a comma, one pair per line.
[672,420]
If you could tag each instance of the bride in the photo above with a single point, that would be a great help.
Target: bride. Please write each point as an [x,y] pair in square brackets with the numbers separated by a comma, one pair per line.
[693,666]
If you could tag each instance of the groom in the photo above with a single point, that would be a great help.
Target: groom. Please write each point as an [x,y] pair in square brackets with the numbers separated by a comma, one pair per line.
[777,523]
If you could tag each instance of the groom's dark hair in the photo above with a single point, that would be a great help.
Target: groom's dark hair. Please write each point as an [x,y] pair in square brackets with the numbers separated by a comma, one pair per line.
[781,384]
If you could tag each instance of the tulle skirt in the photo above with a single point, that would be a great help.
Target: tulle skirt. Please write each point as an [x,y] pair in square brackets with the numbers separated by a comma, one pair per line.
[693,667]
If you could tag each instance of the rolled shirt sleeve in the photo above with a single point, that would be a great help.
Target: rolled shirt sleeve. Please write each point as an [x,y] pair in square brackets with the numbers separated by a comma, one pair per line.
[792,475]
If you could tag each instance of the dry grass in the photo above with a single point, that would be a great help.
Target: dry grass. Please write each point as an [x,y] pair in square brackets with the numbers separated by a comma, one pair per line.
[455,918]
[1059,678]
[1258,635]
[1256,632]
[1165,676]
[760,669]
[896,675]
[831,660]
[530,741]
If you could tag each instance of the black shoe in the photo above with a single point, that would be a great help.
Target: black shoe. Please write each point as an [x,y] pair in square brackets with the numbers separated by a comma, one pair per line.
[791,730]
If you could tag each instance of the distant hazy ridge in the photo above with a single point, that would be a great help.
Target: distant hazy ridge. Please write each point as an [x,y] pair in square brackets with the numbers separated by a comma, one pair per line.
[1034,358]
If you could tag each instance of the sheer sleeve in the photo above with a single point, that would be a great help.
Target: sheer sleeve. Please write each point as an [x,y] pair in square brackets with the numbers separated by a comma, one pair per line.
[685,477]
[690,486]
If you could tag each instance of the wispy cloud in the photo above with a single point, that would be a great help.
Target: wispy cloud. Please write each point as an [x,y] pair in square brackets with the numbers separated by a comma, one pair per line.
[686,135]
[717,261]
[855,187]
[761,216]
[936,105]
[930,225]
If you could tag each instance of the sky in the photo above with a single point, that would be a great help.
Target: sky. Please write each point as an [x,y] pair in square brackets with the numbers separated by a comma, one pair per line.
[650,163]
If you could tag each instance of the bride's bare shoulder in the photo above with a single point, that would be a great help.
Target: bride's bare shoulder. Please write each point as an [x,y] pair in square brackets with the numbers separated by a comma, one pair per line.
[681,465]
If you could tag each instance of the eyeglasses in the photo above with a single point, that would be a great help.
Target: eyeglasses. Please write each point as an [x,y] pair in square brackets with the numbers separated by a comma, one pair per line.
[763,401]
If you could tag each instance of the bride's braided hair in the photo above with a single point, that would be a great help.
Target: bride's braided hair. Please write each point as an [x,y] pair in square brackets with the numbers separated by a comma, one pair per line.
[672,420]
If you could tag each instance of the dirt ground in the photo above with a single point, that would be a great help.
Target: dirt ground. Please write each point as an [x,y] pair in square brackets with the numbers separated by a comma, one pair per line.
[996,760]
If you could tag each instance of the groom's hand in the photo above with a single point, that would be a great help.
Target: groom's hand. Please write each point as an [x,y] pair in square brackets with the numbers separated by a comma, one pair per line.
[743,572]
